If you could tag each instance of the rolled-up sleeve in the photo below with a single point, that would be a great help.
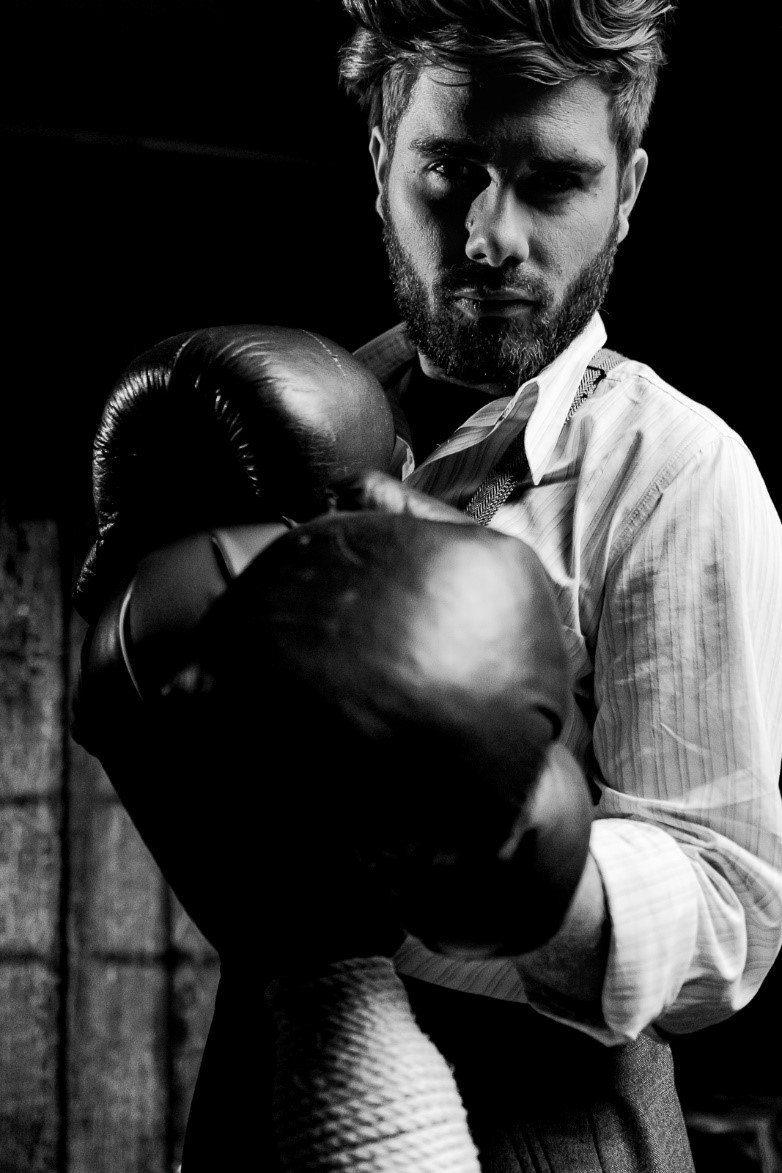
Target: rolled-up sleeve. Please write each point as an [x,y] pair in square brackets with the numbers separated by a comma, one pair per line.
[687,741]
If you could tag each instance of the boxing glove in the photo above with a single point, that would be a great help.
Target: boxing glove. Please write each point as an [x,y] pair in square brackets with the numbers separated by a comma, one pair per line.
[461,903]
[168,757]
[421,664]
[473,904]
[225,426]
[212,427]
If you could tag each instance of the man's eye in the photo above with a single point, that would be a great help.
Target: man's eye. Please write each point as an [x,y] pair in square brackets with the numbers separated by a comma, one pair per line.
[555,183]
[453,171]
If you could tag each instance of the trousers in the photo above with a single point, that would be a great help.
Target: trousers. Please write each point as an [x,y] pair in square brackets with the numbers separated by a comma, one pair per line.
[540,1097]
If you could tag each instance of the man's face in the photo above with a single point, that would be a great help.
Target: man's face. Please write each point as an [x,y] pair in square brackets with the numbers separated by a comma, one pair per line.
[502,207]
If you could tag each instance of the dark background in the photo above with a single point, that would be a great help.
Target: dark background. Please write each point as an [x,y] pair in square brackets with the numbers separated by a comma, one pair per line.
[170,164]
[179,163]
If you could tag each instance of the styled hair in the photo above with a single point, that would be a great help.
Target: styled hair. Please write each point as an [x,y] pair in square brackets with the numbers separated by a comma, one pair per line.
[616,42]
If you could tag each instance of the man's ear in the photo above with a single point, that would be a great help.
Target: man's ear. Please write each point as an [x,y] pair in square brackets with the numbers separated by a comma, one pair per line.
[629,187]
[380,161]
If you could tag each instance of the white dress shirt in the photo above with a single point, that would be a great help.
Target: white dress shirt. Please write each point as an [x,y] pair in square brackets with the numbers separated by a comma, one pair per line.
[665,551]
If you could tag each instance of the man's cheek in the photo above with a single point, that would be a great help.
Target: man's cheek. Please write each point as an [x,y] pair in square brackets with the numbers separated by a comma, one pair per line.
[586,234]
[420,218]
[559,257]
[416,230]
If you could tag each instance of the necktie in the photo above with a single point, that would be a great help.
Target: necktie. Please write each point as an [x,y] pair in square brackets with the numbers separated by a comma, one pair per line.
[512,468]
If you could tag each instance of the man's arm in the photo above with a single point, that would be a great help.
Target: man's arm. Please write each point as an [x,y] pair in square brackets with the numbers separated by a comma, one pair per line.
[680,909]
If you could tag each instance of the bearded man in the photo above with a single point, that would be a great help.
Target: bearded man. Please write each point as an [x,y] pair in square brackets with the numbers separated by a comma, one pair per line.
[505,139]
[570,774]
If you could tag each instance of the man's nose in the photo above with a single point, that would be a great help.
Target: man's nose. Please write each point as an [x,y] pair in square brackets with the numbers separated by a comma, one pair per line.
[498,228]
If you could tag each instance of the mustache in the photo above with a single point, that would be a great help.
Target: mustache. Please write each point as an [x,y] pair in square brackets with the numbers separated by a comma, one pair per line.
[490,282]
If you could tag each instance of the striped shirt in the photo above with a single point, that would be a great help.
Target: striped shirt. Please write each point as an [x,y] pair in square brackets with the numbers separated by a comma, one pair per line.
[665,551]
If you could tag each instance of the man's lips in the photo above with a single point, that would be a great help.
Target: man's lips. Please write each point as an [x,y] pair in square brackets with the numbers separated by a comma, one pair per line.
[508,303]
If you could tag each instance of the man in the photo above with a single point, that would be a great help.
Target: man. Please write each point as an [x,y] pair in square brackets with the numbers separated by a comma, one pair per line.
[505,139]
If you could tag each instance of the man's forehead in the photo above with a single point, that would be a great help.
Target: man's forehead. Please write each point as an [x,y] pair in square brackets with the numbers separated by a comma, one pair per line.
[499,113]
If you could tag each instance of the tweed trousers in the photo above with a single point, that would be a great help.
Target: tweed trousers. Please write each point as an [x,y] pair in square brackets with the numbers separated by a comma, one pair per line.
[544,1098]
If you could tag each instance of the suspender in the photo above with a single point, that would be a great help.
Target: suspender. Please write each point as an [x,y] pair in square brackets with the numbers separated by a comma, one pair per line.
[512,467]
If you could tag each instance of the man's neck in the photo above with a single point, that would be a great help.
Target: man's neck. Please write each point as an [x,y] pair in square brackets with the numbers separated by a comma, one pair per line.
[435,406]
[432,371]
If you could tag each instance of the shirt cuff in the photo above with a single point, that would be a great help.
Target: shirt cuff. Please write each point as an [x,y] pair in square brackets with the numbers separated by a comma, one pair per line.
[652,898]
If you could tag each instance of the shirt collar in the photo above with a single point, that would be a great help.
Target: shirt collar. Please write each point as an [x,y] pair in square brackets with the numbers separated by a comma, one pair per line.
[390,358]
[556,389]
[391,354]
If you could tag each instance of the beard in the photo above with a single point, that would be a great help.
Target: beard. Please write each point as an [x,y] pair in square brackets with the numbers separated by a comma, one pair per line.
[494,350]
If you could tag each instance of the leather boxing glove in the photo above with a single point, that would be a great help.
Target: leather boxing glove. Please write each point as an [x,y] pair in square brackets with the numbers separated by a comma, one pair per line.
[421,664]
[168,755]
[213,427]
[225,426]
[475,905]
[460,903]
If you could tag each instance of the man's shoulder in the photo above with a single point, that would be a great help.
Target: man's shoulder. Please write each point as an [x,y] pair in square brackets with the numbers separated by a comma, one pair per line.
[648,405]
[640,440]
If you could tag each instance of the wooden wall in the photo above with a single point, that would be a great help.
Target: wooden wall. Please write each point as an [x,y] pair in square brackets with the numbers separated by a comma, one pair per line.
[106,987]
